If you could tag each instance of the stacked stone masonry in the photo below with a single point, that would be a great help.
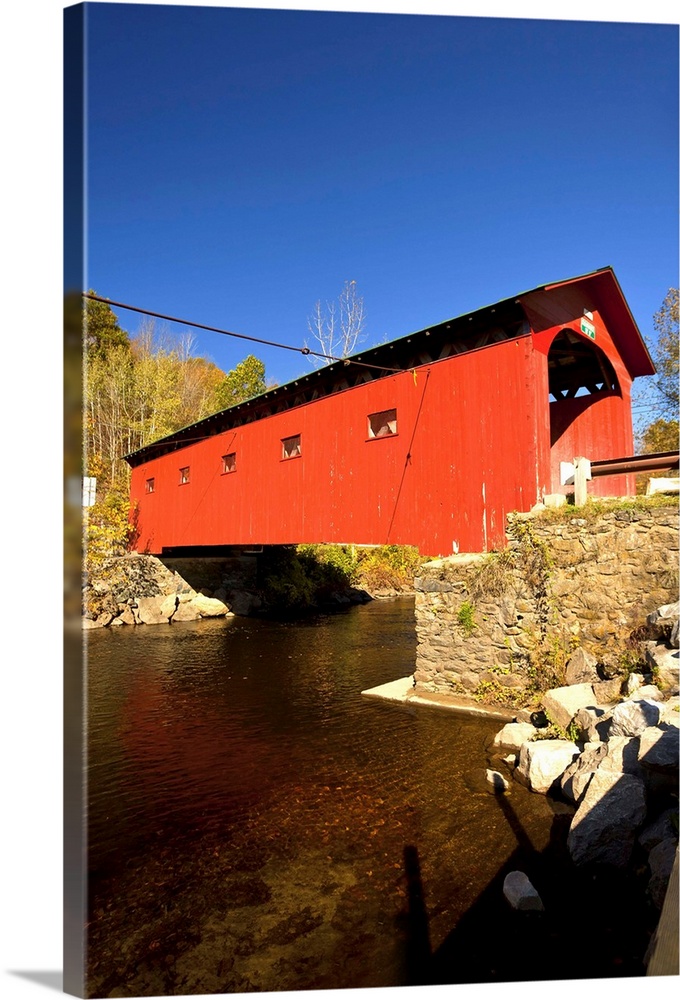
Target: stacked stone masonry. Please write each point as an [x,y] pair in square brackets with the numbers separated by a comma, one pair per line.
[486,622]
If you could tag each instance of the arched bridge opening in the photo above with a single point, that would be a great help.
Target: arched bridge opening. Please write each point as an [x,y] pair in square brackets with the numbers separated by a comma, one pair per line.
[585,401]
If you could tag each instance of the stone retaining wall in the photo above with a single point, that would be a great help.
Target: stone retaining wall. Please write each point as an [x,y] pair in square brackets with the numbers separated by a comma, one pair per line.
[499,626]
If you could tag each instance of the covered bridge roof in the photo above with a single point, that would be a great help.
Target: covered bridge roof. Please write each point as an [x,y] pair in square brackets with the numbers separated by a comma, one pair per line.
[507,319]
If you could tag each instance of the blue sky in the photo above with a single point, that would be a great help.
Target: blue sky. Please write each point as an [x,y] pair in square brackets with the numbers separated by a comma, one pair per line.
[245,163]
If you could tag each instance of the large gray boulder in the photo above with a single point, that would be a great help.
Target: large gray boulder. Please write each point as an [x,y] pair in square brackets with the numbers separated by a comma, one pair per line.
[648,692]
[169,605]
[605,824]
[592,724]
[607,692]
[589,759]
[622,755]
[542,762]
[125,616]
[209,607]
[667,614]
[150,611]
[576,785]
[659,748]
[513,735]
[670,713]
[186,612]
[577,775]
[632,717]
[664,827]
[582,668]
[664,660]
[563,703]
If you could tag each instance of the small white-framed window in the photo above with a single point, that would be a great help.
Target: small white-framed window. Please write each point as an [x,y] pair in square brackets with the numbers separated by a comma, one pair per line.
[184,475]
[229,463]
[290,447]
[382,424]
[150,486]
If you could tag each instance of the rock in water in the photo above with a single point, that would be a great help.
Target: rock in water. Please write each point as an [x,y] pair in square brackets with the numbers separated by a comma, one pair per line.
[209,607]
[520,893]
[150,611]
[497,783]
[513,735]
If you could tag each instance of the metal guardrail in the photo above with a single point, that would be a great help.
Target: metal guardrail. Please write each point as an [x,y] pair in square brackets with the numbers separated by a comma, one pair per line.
[582,469]
[658,462]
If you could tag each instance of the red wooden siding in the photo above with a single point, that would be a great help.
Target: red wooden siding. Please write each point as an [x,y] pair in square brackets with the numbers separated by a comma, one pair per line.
[581,425]
[464,455]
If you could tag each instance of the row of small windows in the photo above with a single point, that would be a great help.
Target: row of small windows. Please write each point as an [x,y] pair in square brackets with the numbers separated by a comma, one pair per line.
[381,424]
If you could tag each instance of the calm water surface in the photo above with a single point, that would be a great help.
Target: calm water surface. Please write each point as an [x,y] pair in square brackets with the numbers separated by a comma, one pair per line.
[255,824]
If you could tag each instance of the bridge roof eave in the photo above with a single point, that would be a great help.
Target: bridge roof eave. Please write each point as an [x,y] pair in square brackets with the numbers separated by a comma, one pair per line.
[604,282]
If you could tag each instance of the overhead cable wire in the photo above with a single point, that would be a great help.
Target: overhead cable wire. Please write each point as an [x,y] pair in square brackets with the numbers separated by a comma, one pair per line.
[239,336]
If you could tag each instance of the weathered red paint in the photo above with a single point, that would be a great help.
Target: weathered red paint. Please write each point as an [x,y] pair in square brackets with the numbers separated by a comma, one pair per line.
[476,438]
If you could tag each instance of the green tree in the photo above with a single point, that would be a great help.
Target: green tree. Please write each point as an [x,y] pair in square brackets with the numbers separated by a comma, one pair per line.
[660,436]
[200,379]
[101,329]
[243,382]
[157,382]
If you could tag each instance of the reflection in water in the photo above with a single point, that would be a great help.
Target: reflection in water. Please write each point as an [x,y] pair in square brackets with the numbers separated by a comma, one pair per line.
[256,825]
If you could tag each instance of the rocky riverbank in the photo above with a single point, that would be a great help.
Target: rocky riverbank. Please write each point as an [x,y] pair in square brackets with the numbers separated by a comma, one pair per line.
[139,589]
[608,753]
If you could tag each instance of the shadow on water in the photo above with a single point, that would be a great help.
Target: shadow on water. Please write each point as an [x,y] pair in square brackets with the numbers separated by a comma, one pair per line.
[597,921]
[418,950]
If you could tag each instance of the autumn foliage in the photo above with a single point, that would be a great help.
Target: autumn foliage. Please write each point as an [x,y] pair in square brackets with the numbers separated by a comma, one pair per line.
[137,390]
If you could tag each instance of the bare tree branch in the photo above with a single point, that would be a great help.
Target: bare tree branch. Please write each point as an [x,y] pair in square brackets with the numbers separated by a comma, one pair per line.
[337,339]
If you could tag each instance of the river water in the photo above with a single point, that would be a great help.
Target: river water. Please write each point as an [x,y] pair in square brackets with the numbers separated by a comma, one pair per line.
[256,825]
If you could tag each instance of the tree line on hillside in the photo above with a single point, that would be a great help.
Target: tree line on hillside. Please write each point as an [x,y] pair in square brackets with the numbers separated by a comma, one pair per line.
[137,390]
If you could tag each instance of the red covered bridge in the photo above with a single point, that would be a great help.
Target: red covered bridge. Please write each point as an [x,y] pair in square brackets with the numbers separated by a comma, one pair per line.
[430,440]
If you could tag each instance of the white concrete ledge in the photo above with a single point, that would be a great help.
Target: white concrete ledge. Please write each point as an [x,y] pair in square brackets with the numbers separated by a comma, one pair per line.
[402,692]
